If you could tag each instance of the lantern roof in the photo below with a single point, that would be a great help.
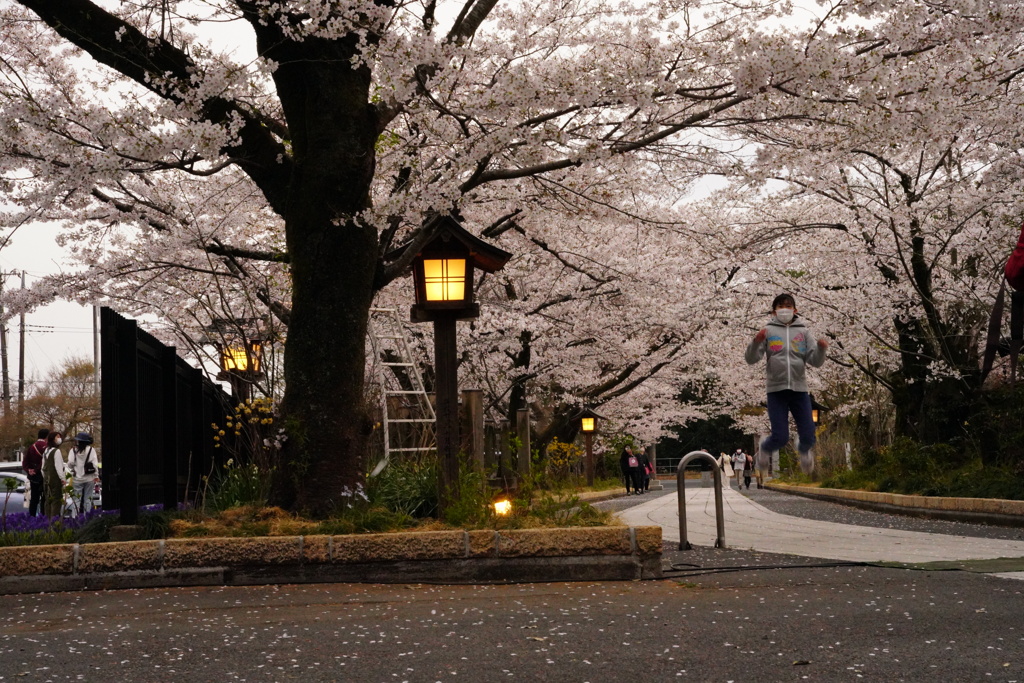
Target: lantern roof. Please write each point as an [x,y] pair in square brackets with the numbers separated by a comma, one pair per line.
[445,228]
[587,412]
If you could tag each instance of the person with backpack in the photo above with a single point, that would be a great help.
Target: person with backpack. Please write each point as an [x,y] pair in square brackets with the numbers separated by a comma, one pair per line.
[789,347]
[82,461]
[32,463]
[54,474]
[630,466]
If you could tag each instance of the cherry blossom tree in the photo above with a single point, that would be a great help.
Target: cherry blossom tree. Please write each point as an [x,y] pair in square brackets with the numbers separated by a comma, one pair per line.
[268,155]
[347,124]
[892,206]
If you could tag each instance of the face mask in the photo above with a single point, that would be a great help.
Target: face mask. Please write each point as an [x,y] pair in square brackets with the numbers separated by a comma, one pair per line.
[785,315]
[58,441]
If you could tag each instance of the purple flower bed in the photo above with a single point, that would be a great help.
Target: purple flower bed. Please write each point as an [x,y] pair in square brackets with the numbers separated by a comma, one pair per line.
[21,522]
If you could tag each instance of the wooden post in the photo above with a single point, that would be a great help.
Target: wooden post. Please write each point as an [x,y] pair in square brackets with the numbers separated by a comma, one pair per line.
[473,403]
[523,432]
[504,449]
[652,455]
[588,439]
[491,446]
[446,381]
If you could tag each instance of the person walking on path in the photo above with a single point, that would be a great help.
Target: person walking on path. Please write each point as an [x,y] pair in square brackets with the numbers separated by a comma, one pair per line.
[630,465]
[788,346]
[82,462]
[627,473]
[646,469]
[725,464]
[739,465]
[54,473]
[32,463]
[758,474]
[748,469]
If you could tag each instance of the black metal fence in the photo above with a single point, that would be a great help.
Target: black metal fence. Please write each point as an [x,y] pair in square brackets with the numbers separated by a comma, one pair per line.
[157,412]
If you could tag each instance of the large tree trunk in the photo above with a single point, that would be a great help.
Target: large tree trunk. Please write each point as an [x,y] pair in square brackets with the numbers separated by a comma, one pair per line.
[334,258]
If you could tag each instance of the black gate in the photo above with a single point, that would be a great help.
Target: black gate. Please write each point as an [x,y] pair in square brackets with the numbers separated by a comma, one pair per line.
[157,412]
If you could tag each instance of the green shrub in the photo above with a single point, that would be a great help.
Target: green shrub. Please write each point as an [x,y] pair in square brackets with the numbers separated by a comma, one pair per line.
[406,486]
[932,470]
[239,484]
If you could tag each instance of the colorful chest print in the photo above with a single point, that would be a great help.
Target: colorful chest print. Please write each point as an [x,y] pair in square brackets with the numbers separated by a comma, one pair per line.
[799,342]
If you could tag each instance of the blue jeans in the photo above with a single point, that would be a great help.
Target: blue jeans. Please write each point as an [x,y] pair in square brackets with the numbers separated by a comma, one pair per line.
[780,405]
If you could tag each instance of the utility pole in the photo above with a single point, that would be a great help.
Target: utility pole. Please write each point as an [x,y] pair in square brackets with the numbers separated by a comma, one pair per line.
[3,356]
[21,363]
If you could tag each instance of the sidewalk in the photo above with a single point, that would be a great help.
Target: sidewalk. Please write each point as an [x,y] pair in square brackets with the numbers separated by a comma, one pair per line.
[749,525]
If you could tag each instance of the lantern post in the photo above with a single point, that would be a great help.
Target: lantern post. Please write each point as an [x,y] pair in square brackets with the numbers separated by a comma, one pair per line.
[443,275]
[588,425]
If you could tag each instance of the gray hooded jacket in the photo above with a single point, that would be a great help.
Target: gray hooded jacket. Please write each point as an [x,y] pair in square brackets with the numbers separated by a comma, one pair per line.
[788,348]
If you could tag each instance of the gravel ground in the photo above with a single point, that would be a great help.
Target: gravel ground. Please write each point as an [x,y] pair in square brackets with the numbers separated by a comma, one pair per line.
[834,512]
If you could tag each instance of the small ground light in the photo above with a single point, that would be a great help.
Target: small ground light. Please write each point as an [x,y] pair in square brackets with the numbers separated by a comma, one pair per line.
[502,507]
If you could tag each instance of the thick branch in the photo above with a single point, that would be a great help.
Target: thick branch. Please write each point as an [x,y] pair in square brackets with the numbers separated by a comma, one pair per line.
[167,71]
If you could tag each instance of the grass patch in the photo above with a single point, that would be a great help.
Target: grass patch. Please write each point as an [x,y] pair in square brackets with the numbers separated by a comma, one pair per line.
[930,470]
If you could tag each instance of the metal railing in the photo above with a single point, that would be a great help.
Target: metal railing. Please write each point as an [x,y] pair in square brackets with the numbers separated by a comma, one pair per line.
[684,544]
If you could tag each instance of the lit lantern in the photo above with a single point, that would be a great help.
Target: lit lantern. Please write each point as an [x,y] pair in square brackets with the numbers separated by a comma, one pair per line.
[240,344]
[444,279]
[503,507]
[588,425]
[816,410]
[444,269]
[241,359]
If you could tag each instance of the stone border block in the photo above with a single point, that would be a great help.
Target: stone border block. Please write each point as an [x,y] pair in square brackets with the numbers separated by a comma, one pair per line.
[427,545]
[648,540]
[34,560]
[984,510]
[564,542]
[481,556]
[482,543]
[112,557]
[316,549]
[232,551]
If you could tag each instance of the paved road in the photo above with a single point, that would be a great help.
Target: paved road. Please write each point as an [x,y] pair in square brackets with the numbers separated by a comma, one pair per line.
[828,624]
[720,615]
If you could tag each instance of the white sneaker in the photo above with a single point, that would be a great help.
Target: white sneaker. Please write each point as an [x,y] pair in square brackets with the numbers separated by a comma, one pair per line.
[807,461]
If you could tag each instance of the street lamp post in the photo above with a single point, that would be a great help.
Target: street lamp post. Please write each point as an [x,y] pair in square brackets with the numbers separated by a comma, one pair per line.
[443,276]
[588,425]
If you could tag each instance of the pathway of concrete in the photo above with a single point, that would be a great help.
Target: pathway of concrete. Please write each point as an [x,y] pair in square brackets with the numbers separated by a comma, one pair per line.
[750,525]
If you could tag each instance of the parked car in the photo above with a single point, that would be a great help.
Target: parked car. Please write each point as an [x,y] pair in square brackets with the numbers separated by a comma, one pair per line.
[18,499]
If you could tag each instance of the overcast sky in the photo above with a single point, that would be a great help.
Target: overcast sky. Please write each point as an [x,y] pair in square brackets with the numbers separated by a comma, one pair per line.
[52,333]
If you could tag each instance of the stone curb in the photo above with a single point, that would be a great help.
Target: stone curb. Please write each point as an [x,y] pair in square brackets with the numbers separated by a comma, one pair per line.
[995,511]
[512,556]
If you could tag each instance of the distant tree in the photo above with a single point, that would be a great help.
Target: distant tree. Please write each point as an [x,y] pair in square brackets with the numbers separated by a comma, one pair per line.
[66,401]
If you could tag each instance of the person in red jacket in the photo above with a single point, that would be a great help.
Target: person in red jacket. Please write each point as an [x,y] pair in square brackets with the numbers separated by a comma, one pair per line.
[32,463]
[1014,270]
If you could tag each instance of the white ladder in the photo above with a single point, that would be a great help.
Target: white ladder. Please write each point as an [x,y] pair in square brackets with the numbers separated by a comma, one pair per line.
[399,379]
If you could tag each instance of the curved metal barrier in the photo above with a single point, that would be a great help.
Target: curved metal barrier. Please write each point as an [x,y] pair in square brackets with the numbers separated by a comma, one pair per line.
[681,493]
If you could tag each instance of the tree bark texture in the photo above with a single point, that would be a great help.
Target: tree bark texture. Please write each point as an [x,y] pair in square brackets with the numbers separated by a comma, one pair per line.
[334,259]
